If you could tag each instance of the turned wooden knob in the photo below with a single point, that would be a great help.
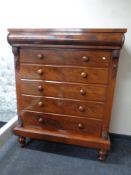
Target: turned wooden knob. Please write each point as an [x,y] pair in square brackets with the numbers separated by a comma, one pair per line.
[81,108]
[80,126]
[82,92]
[41,120]
[40,88]
[40,71]
[103,58]
[83,74]
[85,58]
[40,104]
[40,56]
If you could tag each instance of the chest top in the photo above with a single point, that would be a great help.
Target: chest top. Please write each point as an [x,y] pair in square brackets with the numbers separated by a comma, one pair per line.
[107,38]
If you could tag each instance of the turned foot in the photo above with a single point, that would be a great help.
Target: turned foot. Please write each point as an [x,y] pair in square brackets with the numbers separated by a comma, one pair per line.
[22,141]
[102,154]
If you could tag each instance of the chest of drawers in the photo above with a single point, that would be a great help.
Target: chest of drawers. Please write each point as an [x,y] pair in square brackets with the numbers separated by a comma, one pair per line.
[65,81]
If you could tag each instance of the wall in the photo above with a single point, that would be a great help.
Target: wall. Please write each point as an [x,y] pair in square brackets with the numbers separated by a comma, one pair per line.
[77,13]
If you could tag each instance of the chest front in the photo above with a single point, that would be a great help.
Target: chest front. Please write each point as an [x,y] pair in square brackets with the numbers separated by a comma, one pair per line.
[65,87]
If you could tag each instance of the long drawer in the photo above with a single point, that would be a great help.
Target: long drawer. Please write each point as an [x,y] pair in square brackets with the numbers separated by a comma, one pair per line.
[64,90]
[66,74]
[66,57]
[61,123]
[63,106]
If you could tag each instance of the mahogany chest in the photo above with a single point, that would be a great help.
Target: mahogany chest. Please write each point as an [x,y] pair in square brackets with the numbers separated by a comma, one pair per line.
[65,82]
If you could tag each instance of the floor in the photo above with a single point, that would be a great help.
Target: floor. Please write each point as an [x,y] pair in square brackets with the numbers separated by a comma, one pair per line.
[2,124]
[47,158]
[7,85]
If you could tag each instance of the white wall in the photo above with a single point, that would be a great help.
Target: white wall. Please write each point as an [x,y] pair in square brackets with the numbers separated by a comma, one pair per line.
[78,13]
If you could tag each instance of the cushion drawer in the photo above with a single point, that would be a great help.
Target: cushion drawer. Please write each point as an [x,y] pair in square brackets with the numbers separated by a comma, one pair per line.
[62,123]
[64,90]
[63,106]
[66,74]
[66,57]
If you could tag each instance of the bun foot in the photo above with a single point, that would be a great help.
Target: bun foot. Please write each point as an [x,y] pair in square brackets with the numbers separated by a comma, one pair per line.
[22,141]
[102,154]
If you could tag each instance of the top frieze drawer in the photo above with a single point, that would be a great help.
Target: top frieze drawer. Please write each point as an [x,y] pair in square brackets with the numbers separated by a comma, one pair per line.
[57,56]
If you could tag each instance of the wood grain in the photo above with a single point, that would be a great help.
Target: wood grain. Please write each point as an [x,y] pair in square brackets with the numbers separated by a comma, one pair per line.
[64,90]
[65,81]
[58,56]
[63,106]
[64,74]
[61,123]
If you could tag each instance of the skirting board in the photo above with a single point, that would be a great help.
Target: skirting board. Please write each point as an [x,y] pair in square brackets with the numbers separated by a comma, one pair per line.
[6,130]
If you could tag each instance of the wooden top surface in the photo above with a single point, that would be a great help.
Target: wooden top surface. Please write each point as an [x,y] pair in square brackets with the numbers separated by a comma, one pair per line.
[85,30]
[109,38]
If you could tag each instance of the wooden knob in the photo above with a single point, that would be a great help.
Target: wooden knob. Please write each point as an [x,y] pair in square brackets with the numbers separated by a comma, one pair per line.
[40,71]
[81,109]
[40,88]
[83,74]
[82,92]
[80,126]
[85,58]
[40,104]
[40,56]
[103,58]
[41,120]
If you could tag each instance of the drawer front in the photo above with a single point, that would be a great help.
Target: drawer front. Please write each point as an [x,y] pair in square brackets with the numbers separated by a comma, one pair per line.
[66,57]
[64,90]
[63,106]
[61,123]
[66,74]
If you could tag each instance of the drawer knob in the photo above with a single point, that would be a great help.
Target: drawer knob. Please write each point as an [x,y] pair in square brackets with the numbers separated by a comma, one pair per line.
[80,126]
[41,120]
[40,104]
[83,74]
[85,58]
[103,58]
[82,92]
[81,109]
[40,56]
[40,71]
[40,88]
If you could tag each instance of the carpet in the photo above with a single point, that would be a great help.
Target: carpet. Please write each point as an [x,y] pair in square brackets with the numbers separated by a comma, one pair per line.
[2,124]
[48,158]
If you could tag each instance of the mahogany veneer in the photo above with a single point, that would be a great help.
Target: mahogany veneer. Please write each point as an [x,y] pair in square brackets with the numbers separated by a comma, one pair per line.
[65,81]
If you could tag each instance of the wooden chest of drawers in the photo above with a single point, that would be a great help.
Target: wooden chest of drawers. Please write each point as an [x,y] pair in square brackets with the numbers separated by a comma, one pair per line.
[65,81]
